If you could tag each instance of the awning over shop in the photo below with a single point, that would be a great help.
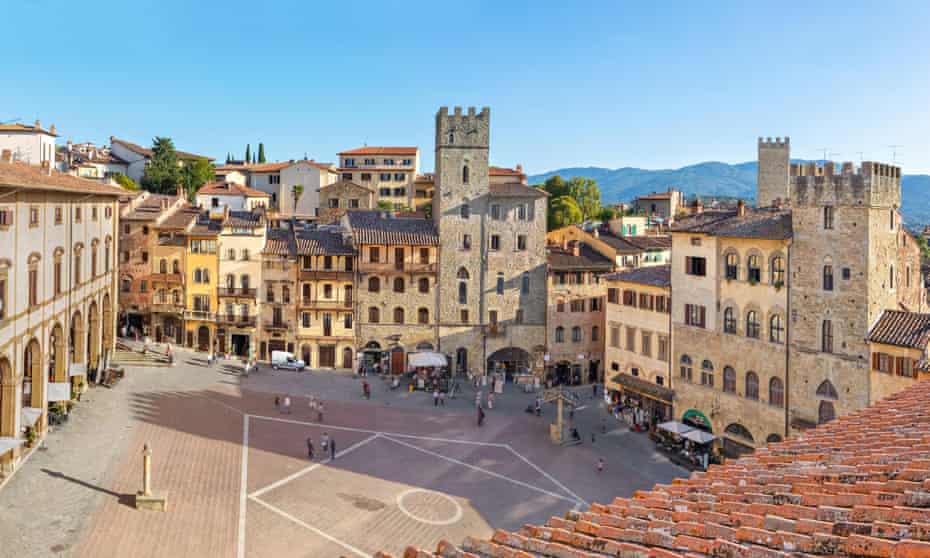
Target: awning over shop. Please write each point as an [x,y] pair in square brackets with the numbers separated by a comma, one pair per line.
[675,427]
[644,387]
[77,369]
[427,358]
[31,415]
[6,444]
[699,436]
[59,391]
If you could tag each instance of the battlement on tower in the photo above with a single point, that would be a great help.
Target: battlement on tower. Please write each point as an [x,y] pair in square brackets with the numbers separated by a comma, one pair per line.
[872,184]
[463,129]
[777,143]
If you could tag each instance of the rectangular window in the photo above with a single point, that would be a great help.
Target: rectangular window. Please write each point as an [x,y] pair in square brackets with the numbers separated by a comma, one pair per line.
[521,212]
[662,353]
[77,214]
[828,217]
[463,316]
[93,213]
[495,242]
[333,203]
[305,319]
[33,287]
[645,301]
[58,215]
[662,304]
[495,211]
[366,177]
[881,362]
[466,242]
[646,339]
[57,278]
[613,295]
[347,176]
[399,177]
[695,266]
[615,336]
[347,321]
[353,203]
[385,176]
[424,255]
[904,366]
[400,192]
[518,318]
[521,242]
[595,305]
[384,192]
[629,298]
[695,315]
[348,162]
[630,339]
[492,317]
[577,305]
[374,254]
[3,309]
[33,216]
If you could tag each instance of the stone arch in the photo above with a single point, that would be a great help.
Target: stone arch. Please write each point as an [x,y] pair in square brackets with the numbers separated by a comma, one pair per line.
[33,379]
[773,438]
[509,360]
[57,366]
[461,360]
[107,324]
[738,430]
[93,335]
[7,399]
[76,338]
[730,257]
[827,390]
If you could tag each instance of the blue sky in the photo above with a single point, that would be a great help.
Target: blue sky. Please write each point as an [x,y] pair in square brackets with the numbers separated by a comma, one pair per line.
[646,84]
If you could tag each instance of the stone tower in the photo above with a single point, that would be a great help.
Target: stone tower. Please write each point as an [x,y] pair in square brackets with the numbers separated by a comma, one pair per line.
[772,180]
[845,269]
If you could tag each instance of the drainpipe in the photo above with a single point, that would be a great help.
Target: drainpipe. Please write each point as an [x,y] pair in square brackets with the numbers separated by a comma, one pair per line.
[787,339]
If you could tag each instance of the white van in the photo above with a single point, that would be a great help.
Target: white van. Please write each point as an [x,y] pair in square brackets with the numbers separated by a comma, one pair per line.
[286,360]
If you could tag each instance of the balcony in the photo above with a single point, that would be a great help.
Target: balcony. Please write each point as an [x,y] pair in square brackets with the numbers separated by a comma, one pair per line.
[169,278]
[203,315]
[394,267]
[236,292]
[276,326]
[331,274]
[237,321]
[167,308]
[330,304]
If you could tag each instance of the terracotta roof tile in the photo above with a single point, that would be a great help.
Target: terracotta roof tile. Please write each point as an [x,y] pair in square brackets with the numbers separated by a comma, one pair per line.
[322,243]
[31,177]
[565,259]
[230,189]
[280,242]
[28,128]
[767,223]
[372,150]
[904,329]
[655,275]
[857,486]
[378,227]
[516,190]
[146,152]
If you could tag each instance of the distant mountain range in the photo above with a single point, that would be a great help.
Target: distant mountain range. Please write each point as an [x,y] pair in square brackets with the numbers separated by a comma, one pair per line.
[712,179]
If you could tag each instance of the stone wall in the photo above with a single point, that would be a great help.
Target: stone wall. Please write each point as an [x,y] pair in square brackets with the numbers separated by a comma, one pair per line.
[773,170]
[569,350]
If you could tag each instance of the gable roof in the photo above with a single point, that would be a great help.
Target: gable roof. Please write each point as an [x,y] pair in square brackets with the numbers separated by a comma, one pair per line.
[230,189]
[654,275]
[373,150]
[379,227]
[764,223]
[634,244]
[322,243]
[26,128]
[516,190]
[856,486]
[562,259]
[904,329]
[147,153]
[347,184]
[22,175]
[279,166]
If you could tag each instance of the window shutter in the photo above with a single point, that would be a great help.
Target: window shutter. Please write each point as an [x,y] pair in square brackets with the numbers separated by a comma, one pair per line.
[899,366]
[687,264]
[875,361]
[703,312]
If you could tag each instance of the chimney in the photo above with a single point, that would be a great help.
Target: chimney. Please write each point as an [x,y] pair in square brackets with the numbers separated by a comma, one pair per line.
[520,168]
[51,129]
[576,248]
[741,208]
[38,124]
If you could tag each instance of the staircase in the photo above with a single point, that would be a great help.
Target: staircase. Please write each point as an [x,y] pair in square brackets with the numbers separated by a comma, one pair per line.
[125,355]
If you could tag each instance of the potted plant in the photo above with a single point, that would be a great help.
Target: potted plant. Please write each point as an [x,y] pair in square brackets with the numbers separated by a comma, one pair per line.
[30,436]
[778,285]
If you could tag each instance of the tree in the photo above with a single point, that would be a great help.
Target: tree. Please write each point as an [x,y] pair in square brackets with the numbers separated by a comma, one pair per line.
[195,174]
[162,174]
[297,190]
[587,194]
[563,211]
[555,186]
[608,214]
[125,182]
[248,153]
[924,247]
[385,205]
[261,152]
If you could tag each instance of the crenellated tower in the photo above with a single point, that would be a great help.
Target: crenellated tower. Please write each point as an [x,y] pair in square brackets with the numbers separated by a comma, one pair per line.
[772,180]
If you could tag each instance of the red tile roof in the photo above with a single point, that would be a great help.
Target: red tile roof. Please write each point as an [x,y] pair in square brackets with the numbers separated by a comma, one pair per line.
[275,167]
[147,153]
[857,486]
[31,129]
[503,171]
[370,150]
[31,177]
[904,329]
[230,189]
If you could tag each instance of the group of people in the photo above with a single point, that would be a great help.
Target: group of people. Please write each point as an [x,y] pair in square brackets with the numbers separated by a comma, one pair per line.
[327,444]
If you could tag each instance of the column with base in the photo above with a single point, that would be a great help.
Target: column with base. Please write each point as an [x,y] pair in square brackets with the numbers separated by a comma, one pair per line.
[145,499]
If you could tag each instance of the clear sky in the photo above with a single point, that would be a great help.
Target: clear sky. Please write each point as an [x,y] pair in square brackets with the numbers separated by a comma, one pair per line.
[645,84]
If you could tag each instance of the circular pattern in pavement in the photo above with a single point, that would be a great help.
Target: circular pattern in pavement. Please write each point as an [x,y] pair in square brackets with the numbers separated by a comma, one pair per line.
[428,506]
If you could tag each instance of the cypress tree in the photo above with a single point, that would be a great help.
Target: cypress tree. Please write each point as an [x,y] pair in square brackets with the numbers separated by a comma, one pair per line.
[261,152]
[248,153]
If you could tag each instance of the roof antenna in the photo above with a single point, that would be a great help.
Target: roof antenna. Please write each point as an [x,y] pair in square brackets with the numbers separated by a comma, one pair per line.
[894,153]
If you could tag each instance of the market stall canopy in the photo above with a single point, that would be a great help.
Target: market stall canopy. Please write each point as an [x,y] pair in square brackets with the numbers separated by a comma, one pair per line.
[427,358]
[644,387]
[31,415]
[699,436]
[675,427]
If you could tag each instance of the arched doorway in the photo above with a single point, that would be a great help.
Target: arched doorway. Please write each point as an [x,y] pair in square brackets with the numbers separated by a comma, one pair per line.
[825,412]
[76,344]
[509,361]
[737,440]
[562,372]
[93,335]
[33,382]
[203,338]
[7,399]
[57,372]
[347,358]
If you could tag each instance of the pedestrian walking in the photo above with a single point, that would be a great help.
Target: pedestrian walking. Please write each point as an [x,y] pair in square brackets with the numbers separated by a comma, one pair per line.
[478,398]
[319,412]
[332,449]
[435,397]
[442,399]
[277,402]
[324,443]
[594,387]
[310,448]
[287,404]
[600,465]
[480,416]
[491,400]
[366,390]
[538,407]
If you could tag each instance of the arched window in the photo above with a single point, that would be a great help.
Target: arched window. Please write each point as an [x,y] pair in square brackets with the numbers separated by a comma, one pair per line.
[163,266]
[772,438]
[244,281]
[576,334]
[754,269]
[752,386]
[559,334]
[230,281]
[752,324]
[826,389]
[451,137]
[398,315]
[828,277]
[729,320]
[463,292]
[525,283]
[465,211]
[595,333]
[778,271]
[776,392]
[206,276]
[374,284]
[732,266]
[464,174]
[461,359]
[826,336]
[462,273]
[739,431]
[175,267]
[198,276]
[423,285]
[686,372]
[825,412]
[500,283]
[398,284]
[423,316]
[374,314]
[776,329]
[729,379]
[707,373]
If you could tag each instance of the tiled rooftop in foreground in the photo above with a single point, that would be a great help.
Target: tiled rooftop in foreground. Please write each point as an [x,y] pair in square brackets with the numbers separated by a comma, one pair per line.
[858,486]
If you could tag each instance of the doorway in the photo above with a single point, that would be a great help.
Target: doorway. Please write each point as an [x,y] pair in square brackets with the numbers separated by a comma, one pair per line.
[347,358]
[203,338]
[327,356]
[240,344]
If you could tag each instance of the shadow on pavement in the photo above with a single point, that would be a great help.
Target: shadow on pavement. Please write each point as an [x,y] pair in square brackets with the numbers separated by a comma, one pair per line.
[124,499]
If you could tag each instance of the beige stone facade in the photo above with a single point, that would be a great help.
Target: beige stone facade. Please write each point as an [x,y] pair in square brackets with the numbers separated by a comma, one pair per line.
[339,197]
[277,328]
[389,171]
[241,242]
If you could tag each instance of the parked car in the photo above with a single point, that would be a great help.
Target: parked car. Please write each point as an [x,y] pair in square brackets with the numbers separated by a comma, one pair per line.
[286,360]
